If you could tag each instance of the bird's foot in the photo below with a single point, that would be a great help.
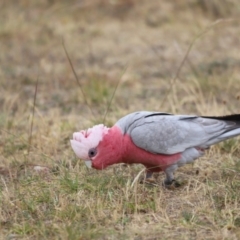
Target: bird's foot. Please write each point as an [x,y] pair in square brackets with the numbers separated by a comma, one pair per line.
[171,184]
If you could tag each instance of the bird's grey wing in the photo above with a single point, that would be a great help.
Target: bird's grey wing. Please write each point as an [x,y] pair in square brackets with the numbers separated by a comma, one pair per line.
[169,134]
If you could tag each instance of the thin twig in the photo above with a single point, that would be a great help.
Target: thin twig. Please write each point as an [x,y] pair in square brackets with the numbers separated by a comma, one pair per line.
[137,177]
[116,87]
[33,112]
[76,77]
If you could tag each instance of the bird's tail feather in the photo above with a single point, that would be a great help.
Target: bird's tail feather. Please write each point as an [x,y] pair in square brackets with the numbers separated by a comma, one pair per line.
[225,136]
[232,131]
[229,118]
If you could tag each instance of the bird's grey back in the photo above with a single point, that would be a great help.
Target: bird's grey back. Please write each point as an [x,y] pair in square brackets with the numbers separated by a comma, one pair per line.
[163,133]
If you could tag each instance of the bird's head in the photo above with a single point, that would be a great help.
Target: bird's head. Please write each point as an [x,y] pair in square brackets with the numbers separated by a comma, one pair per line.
[98,146]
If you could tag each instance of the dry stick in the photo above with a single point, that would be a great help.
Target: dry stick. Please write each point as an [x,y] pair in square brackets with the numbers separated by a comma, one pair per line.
[110,102]
[76,77]
[137,177]
[91,55]
[187,53]
[33,112]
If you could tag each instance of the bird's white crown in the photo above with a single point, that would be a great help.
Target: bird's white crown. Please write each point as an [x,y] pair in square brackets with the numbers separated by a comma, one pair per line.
[84,140]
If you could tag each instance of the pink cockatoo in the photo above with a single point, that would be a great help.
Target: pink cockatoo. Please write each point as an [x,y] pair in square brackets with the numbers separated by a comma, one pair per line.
[159,141]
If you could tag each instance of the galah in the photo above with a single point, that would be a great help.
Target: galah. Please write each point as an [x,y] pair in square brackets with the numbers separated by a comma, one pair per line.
[159,141]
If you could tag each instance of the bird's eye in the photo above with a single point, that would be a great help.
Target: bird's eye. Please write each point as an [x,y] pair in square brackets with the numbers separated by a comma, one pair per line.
[92,152]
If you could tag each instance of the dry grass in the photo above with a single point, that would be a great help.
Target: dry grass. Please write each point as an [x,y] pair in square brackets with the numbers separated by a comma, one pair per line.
[63,199]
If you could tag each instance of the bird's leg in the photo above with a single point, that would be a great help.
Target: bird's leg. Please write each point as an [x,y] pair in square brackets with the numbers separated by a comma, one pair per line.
[149,178]
[169,180]
[148,174]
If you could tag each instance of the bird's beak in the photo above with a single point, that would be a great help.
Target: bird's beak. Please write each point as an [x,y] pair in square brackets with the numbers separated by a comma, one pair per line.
[88,163]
